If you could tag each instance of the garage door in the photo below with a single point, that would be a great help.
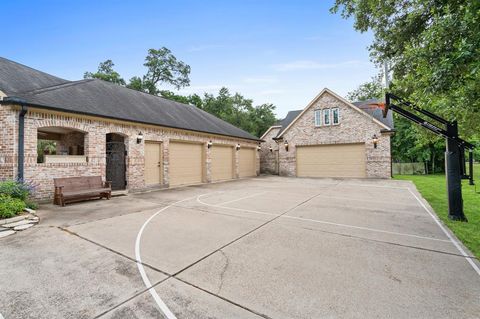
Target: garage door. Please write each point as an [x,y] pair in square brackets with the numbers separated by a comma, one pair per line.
[153,163]
[185,163]
[222,162]
[344,160]
[246,162]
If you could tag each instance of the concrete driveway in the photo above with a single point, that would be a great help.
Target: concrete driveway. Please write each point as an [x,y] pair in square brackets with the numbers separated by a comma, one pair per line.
[267,247]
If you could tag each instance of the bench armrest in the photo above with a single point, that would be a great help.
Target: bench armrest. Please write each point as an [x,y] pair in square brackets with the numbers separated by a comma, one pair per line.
[58,189]
[108,184]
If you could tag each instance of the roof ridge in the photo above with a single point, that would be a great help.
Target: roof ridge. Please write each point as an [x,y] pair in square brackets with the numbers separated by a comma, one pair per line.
[29,67]
[56,87]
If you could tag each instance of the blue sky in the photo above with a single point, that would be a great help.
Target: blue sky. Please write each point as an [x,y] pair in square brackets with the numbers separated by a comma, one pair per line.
[282,52]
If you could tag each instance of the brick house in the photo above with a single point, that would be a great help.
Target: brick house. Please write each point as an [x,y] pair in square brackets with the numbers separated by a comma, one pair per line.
[51,127]
[330,137]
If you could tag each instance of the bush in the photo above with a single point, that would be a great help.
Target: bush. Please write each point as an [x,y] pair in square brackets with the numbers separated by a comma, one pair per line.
[10,206]
[16,189]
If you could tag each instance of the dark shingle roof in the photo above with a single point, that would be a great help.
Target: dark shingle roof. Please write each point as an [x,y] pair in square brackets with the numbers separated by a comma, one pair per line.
[287,120]
[374,111]
[16,78]
[100,98]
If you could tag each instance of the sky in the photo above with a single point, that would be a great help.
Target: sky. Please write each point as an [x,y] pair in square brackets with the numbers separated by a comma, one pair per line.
[280,52]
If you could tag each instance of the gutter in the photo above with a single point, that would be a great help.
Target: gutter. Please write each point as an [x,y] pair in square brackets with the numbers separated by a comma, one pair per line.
[21,140]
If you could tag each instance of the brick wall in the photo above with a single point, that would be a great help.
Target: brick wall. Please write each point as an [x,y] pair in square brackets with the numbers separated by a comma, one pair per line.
[354,127]
[269,153]
[95,130]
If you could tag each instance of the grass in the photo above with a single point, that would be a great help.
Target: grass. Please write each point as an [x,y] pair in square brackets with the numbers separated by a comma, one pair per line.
[433,189]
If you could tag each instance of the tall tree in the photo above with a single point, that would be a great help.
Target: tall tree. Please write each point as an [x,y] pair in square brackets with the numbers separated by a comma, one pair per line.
[106,72]
[433,46]
[368,90]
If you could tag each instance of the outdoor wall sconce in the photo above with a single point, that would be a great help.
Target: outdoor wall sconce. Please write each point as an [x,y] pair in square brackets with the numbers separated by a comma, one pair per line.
[375,140]
[209,144]
[259,147]
[237,147]
[286,145]
[270,149]
[139,138]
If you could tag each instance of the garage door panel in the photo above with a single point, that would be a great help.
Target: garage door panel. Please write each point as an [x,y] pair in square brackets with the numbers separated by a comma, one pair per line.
[246,162]
[185,163]
[340,160]
[222,162]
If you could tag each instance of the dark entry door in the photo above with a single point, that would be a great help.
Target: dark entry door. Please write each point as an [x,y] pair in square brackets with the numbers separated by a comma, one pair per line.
[115,171]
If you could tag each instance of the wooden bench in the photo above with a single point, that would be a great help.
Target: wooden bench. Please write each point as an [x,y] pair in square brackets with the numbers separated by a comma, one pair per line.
[71,189]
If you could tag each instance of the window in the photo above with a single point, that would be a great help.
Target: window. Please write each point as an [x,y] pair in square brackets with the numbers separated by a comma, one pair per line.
[60,145]
[335,116]
[318,117]
[326,117]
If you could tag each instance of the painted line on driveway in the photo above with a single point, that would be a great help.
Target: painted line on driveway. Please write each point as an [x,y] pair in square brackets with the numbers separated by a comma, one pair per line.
[163,307]
[321,221]
[454,242]
[242,198]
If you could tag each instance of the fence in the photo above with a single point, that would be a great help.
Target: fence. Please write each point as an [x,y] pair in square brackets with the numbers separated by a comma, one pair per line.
[408,168]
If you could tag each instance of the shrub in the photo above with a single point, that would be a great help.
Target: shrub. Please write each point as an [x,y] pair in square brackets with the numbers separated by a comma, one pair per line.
[15,189]
[10,206]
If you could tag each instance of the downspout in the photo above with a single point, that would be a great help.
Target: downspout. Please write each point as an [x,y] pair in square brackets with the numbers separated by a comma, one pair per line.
[21,143]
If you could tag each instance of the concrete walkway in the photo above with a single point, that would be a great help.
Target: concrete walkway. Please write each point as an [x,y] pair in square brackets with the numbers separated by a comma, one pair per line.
[268,247]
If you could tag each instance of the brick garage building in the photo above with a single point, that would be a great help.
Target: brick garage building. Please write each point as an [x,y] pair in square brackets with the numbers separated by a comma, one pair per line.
[331,137]
[92,127]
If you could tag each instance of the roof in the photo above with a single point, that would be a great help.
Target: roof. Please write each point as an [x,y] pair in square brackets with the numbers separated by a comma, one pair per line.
[369,107]
[16,78]
[291,115]
[99,98]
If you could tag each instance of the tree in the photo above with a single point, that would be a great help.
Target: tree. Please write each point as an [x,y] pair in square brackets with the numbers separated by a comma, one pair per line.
[368,90]
[106,72]
[433,47]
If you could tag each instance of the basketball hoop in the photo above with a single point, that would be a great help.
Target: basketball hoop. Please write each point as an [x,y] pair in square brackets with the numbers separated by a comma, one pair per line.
[379,105]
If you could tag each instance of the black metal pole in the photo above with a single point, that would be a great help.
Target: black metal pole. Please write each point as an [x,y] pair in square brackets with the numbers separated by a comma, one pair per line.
[470,167]
[453,175]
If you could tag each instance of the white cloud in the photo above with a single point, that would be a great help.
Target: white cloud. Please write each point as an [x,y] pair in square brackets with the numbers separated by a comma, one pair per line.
[260,79]
[313,65]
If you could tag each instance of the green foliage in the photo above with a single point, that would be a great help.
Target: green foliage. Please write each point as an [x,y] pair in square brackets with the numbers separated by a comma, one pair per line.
[106,72]
[235,109]
[45,147]
[368,90]
[434,48]
[15,189]
[10,206]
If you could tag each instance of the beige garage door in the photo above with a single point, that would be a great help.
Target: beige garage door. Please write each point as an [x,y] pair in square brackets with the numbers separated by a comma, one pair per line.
[153,163]
[340,160]
[246,162]
[222,162]
[185,163]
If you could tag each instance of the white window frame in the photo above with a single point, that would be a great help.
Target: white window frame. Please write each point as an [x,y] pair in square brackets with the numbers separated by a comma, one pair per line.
[329,117]
[318,118]
[333,117]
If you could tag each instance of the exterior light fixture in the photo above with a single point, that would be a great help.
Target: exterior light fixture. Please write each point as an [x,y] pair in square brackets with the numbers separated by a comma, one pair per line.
[286,145]
[237,147]
[259,147]
[375,140]
[139,137]
[270,149]
[209,144]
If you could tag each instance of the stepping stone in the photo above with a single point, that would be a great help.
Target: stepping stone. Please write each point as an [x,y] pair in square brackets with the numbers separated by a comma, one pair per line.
[7,233]
[22,227]
[19,223]
[3,229]
[29,210]
[12,220]
[33,219]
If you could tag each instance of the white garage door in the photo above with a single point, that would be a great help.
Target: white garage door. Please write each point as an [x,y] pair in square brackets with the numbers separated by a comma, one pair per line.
[186,163]
[339,160]
[246,162]
[222,162]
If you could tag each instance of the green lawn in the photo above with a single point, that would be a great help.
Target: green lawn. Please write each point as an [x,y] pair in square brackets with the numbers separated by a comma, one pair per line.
[433,189]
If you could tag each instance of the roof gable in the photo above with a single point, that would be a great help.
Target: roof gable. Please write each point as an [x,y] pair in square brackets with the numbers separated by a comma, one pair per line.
[326,90]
